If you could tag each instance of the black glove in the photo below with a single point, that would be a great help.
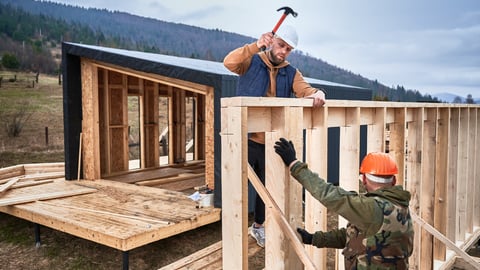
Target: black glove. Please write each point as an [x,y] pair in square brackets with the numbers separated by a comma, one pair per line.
[285,150]
[306,236]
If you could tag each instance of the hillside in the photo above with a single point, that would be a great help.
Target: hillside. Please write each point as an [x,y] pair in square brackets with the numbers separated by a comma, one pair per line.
[43,23]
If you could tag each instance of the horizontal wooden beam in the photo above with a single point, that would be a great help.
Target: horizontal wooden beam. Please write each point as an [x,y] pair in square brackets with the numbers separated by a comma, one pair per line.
[185,85]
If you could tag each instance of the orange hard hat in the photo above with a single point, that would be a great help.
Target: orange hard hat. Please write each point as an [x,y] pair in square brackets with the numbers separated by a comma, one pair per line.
[378,163]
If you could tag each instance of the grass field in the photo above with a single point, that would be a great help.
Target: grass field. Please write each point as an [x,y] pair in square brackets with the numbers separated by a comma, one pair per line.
[38,111]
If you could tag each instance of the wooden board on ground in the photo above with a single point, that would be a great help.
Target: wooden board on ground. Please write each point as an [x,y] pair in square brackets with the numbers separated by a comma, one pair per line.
[118,215]
[209,258]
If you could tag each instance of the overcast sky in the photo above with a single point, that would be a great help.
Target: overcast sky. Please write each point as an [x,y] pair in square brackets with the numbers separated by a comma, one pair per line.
[428,45]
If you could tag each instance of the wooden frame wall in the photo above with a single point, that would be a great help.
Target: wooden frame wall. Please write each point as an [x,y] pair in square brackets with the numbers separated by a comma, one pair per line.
[105,89]
[435,145]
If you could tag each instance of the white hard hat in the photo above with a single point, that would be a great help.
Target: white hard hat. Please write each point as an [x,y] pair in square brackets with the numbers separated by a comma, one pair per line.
[288,34]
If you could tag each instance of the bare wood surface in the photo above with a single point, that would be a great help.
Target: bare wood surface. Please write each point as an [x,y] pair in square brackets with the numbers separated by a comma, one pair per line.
[165,180]
[35,177]
[9,184]
[264,194]
[109,213]
[9,172]
[32,183]
[43,196]
[434,232]
[118,215]
[143,175]
[209,257]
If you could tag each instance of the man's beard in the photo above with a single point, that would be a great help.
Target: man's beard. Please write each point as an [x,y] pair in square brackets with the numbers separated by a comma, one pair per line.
[274,60]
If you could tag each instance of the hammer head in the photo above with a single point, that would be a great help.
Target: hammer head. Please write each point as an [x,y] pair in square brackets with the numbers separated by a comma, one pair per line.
[288,10]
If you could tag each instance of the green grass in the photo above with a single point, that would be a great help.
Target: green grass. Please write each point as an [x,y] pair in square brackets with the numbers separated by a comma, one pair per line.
[13,230]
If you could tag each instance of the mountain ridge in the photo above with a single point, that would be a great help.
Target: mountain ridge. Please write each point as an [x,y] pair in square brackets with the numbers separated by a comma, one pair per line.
[153,35]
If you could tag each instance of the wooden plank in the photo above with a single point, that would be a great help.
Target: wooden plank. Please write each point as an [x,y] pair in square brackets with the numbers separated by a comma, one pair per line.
[186,185]
[10,172]
[149,119]
[461,263]
[441,181]
[166,180]
[90,120]
[315,212]
[108,213]
[211,254]
[428,185]
[209,251]
[143,175]
[461,176]
[234,190]
[471,180]
[281,220]
[284,189]
[476,207]
[41,168]
[104,103]
[37,177]
[414,175]
[446,241]
[9,184]
[32,183]
[186,85]
[452,174]
[349,160]
[43,196]
[178,130]
[376,131]
[397,142]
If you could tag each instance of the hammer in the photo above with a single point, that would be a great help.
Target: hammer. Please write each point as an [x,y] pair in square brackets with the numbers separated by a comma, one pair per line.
[286,11]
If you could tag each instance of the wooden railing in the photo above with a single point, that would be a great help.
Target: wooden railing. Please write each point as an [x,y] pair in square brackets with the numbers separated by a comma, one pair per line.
[436,146]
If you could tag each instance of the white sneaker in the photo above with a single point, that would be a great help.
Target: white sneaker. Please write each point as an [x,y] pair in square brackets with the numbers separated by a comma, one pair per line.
[258,234]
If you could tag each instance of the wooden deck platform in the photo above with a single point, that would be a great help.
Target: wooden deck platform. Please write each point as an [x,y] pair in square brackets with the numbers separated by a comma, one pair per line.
[119,215]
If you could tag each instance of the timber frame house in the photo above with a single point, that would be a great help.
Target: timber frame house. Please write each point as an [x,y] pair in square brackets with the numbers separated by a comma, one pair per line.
[436,144]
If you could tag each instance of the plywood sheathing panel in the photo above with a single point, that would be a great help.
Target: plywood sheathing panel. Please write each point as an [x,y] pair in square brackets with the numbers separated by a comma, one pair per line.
[90,121]
[118,215]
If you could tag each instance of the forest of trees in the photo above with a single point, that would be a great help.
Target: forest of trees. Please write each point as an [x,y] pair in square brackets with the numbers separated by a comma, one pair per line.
[32,28]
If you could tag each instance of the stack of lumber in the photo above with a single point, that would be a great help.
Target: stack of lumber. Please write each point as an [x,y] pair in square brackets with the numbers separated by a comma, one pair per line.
[28,175]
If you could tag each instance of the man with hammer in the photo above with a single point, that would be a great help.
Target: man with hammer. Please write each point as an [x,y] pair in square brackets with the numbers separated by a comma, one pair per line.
[268,73]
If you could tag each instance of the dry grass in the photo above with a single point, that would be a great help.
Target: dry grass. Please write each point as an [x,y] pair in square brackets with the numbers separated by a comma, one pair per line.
[43,106]
[60,250]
